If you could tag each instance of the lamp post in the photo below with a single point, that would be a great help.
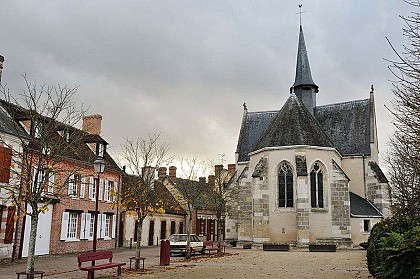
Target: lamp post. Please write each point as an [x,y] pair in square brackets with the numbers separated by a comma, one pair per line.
[99,166]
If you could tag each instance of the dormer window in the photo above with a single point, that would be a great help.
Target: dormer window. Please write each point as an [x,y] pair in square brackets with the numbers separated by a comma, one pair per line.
[36,129]
[100,149]
[67,136]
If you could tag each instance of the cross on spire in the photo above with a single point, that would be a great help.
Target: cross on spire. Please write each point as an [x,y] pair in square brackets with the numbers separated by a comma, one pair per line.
[300,14]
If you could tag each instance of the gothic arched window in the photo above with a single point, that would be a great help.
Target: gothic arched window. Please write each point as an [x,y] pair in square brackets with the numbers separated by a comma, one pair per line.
[285,176]
[317,187]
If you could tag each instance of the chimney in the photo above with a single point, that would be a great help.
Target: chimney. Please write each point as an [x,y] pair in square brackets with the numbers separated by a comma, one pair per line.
[162,172]
[202,180]
[92,124]
[212,181]
[232,168]
[172,172]
[217,170]
[1,66]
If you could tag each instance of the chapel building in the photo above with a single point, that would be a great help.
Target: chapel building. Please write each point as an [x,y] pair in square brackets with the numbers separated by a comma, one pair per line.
[308,173]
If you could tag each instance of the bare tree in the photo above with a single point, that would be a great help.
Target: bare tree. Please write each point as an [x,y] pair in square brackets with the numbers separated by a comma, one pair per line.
[192,191]
[404,157]
[143,156]
[221,197]
[38,117]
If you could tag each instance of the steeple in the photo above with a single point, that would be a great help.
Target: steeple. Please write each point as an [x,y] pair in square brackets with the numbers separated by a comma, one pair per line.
[304,87]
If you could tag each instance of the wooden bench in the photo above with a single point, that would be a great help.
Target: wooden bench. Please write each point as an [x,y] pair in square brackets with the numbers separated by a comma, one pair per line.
[209,247]
[137,259]
[95,256]
[35,272]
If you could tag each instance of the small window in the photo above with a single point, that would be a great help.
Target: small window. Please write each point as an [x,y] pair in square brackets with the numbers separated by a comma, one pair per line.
[36,129]
[100,149]
[317,187]
[72,226]
[285,185]
[366,226]
[107,224]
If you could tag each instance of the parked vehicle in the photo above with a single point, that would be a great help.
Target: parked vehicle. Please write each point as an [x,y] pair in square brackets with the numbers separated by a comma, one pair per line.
[178,244]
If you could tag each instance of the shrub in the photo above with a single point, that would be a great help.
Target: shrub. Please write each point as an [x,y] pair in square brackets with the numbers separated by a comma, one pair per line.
[394,249]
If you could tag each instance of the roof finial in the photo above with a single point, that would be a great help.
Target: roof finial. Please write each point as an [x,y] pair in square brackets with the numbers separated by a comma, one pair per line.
[300,14]
[245,107]
[371,89]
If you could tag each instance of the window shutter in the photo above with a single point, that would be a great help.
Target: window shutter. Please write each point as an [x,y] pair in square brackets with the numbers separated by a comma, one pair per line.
[114,225]
[115,191]
[83,226]
[99,224]
[51,181]
[101,186]
[106,190]
[6,162]
[103,225]
[91,189]
[10,224]
[88,218]
[83,187]
[64,225]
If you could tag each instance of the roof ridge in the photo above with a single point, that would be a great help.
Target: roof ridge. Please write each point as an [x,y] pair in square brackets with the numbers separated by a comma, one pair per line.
[343,103]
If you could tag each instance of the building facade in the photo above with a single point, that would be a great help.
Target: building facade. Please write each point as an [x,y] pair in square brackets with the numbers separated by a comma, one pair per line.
[308,173]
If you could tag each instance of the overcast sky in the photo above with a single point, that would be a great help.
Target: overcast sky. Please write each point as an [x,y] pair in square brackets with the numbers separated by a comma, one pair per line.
[184,68]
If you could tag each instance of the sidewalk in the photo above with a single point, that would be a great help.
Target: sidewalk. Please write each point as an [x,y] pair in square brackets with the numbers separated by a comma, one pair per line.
[65,266]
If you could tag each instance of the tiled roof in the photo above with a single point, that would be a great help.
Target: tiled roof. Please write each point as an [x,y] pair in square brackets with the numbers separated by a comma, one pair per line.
[360,207]
[293,125]
[190,188]
[170,204]
[348,125]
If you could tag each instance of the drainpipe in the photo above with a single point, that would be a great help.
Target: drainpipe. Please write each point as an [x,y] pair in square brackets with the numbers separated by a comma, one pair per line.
[364,177]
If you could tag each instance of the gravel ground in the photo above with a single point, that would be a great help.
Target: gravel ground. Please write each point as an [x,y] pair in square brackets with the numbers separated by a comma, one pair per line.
[245,264]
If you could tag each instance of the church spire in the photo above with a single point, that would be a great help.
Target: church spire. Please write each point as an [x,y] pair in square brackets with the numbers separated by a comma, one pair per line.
[304,87]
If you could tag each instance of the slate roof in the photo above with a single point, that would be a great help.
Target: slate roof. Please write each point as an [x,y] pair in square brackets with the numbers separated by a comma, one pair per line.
[75,150]
[253,126]
[293,125]
[8,126]
[303,71]
[378,172]
[348,125]
[360,207]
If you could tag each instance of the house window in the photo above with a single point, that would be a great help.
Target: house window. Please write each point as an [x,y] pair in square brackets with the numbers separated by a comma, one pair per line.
[38,178]
[107,225]
[366,226]
[100,149]
[36,129]
[285,180]
[181,227]
[72,226]
[72,185]
[317,187]
[163,230]
[5,163]
[109,185]
[172,227]
[67,136]
[51,181]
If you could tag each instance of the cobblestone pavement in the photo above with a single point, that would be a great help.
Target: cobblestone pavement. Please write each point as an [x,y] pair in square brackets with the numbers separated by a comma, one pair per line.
[238,263]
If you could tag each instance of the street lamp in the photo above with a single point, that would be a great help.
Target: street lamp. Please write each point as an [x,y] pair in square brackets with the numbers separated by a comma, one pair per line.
[99,166]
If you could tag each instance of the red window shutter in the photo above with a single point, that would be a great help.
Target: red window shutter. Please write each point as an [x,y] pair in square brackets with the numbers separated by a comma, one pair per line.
[5,164]
[10,224]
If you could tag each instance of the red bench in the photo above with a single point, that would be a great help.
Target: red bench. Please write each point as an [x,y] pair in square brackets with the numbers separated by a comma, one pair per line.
[95,256]
[209,247]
